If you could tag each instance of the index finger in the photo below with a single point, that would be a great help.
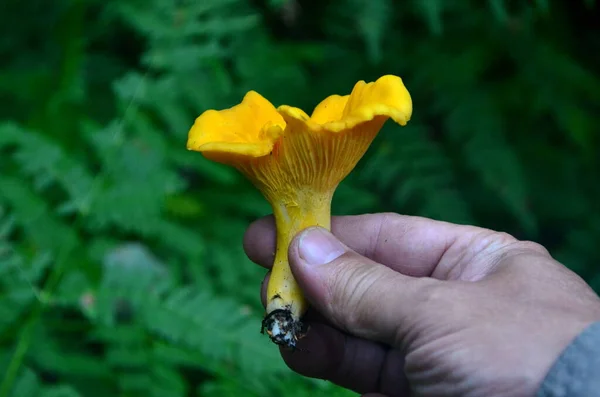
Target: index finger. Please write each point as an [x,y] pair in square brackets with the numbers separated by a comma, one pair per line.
[411,245]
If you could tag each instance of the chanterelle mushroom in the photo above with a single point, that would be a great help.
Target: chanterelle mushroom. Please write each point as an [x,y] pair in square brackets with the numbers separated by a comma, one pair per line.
[297,162]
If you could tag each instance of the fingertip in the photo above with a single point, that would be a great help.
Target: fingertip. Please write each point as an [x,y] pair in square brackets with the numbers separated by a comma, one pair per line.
[316,246]
[259,241]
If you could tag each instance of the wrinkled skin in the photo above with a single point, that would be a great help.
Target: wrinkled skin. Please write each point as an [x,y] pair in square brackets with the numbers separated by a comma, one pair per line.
[407,306]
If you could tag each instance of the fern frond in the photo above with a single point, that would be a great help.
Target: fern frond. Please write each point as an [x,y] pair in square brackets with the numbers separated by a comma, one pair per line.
[28,384]
[477,129]
[46,163]
[19,277]
[219,328]
[415,174]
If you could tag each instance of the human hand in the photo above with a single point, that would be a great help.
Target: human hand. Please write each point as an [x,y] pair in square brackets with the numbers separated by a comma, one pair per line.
[410,306]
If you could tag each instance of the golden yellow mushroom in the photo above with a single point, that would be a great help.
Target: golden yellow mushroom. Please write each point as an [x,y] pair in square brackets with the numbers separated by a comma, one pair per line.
[297,162]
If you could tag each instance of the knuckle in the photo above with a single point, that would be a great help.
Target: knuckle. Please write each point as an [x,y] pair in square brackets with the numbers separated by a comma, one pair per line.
[518,247]
[531,246]
[495,248]
[493,239]
[495,242]
[489,243]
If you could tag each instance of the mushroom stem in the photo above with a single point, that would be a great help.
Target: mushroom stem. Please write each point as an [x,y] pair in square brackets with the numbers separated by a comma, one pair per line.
[286,303]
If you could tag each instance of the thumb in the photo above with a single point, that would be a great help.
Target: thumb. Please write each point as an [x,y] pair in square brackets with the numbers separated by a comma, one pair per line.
[356,294]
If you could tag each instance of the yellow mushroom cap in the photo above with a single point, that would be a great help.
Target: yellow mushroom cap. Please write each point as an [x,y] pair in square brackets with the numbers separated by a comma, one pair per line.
[283,148]
[385,97]
[248,129]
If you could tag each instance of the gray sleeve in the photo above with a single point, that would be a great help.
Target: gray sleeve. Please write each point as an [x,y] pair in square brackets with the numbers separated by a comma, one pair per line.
[576,373]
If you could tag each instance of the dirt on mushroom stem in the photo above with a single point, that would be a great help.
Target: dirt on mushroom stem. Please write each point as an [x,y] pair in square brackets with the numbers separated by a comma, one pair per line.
[286,304]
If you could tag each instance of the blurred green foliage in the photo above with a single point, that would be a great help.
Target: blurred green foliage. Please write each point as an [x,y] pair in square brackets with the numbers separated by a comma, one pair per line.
[121,266]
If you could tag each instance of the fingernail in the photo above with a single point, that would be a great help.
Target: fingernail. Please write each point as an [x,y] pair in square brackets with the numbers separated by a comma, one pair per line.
[318,247]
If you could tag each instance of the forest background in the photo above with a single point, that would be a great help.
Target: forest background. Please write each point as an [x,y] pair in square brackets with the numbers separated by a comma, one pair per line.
[121,264]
